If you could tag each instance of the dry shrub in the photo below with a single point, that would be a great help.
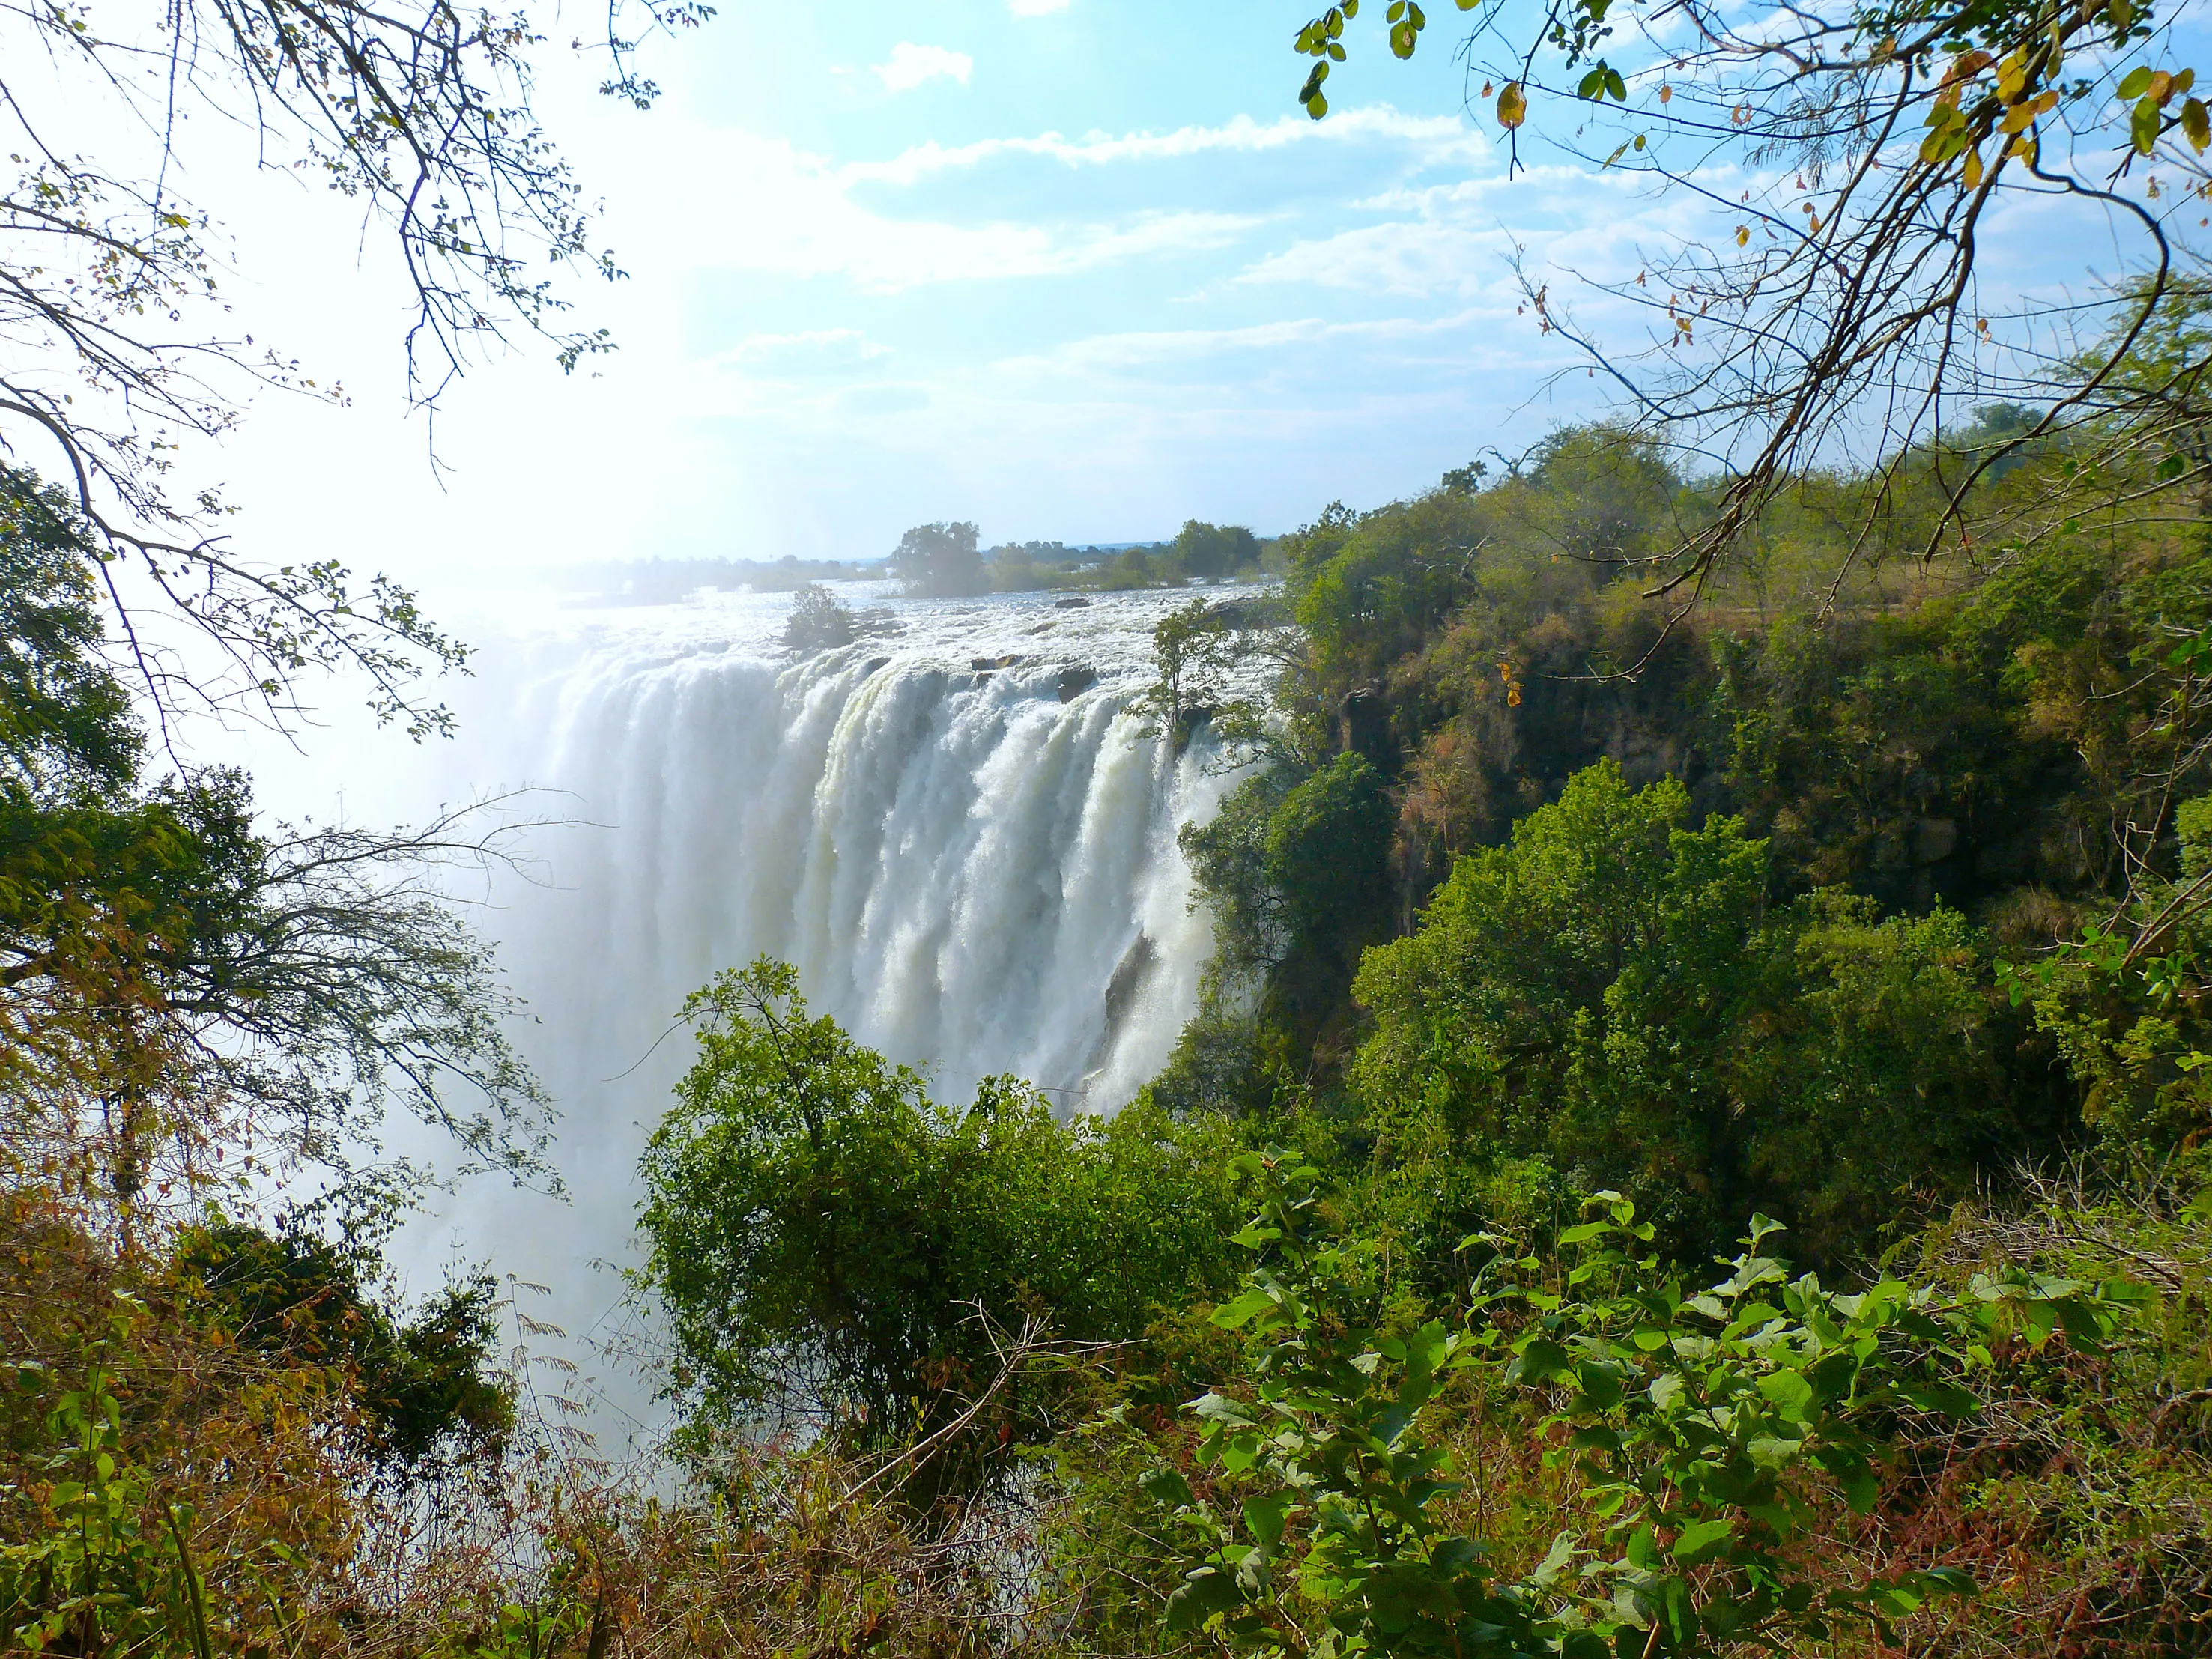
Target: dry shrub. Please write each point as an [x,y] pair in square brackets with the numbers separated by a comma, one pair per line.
[303,1546]
[252,1455]
[2080,1498]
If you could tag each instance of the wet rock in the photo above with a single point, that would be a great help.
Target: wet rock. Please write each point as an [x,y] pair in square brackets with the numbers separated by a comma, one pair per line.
[1129,977]
[985,664]
[1070,603]
[1075,680]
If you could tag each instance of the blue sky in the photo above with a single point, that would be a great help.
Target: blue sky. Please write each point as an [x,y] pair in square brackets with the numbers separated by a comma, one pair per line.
[1073,270]
[1077,272]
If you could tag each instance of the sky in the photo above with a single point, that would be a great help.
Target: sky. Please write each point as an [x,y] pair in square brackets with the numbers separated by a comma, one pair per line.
[1071,270]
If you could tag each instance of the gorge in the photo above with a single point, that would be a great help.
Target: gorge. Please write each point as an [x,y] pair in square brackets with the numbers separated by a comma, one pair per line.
[956,832]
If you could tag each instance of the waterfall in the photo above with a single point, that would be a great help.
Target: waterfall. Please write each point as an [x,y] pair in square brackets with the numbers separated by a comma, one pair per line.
[969,870]
[958,835]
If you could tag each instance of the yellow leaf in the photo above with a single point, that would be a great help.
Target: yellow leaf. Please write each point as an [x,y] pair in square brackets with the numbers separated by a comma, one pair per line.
[1967,65]
[1512,106]
[1742,234]
[1973,168]
[1665,92]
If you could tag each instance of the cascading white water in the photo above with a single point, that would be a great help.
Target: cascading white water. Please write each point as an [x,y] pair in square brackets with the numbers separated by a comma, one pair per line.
[974,869]
[970,870]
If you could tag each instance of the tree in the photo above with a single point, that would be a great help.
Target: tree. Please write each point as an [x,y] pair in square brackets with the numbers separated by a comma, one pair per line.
[939,560]
[1610,991]
[1828,306]
[1195,652]
[424,1385]
[819,622]
[1211,551]
[124,351]
[832,1247]
[174,978]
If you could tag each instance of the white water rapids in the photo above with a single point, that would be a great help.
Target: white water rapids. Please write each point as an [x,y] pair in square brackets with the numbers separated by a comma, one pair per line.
[972,869]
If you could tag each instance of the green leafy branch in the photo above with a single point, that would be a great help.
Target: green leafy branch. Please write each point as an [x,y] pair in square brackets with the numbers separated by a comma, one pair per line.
[1713,1429]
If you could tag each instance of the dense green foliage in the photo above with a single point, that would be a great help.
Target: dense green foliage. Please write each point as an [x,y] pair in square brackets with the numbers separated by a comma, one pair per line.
[1725,908]
[1610,991]
[832,1247]
[1711,1427]
[939,560]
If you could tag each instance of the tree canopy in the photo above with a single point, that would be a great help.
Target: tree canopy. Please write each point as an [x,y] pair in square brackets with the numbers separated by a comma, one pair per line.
[832,1247]
[939,560]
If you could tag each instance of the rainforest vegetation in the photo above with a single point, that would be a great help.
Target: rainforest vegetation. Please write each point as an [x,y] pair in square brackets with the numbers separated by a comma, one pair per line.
[1695,1140]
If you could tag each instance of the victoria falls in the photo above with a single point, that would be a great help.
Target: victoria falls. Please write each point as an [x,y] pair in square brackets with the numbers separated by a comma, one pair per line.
[1028,831]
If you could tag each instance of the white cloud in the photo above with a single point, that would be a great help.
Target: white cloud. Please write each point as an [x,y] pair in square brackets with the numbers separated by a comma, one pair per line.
[1035,7]
[910,65]
[1434,140]
[1453,239]
[1108,353]
[755,202]
[814,351]
[1415,256]
[772,207]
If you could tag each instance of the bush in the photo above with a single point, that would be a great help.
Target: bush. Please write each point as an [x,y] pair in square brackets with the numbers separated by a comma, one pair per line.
[819,621]
[1713,1430]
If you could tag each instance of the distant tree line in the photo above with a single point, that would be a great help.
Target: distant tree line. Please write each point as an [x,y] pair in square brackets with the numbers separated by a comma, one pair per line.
[945,560]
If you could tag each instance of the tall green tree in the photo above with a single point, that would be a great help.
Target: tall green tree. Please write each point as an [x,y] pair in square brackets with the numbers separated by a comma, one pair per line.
[1214,549]
[1610,991]
[832,1247]
[939,560]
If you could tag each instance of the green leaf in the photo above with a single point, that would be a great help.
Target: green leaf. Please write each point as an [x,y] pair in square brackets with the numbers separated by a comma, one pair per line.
[1264,1516]
[1216,1407]
[1642,1548]
[1601,1384]
[1700,1538]
[1537,1359]
[1771,1452]
[1203,1593]
[2142,125]
[1233,1316]
[1166,1487]
[1556,1560]
[1788,1391]
[2137,82]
